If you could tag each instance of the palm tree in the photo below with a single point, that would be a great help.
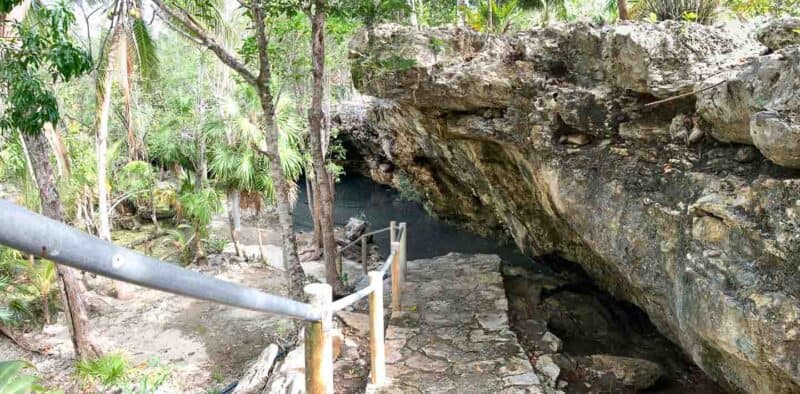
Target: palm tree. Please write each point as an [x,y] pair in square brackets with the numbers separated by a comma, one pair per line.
[127,46]
[179,16]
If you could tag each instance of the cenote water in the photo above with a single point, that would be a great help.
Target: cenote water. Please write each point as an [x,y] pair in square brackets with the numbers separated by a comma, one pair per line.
[586,319]
[360,197]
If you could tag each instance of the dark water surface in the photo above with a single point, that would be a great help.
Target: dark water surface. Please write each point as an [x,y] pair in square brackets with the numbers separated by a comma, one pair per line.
[360,197]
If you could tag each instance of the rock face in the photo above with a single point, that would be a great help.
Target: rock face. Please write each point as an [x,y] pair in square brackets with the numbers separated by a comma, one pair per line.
[780,33]
[547,136]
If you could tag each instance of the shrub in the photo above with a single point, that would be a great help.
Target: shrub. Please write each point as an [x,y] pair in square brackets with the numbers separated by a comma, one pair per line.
[701,11]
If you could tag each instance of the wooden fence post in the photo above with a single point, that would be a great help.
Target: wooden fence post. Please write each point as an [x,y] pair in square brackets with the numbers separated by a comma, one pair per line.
[396,277]
[403,256]
[319,341]
[392,231]
[339,269]
[364,254]
[376,344]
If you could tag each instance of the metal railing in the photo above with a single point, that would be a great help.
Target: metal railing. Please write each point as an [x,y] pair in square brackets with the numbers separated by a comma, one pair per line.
[38,235]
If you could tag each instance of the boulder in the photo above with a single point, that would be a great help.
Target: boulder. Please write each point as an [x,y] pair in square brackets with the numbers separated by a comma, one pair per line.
[758,101]
[779,33]
[632,372]
[705,241]
[778,137]
[354,228]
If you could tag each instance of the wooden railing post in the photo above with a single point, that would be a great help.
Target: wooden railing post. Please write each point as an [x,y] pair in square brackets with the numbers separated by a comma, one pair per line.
[364,254]
[403,256]
[376,345]
[319,341]
[396,278]
[392,231]
[339,265]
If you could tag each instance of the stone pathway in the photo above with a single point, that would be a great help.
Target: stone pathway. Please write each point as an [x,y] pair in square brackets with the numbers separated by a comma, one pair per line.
[452,335]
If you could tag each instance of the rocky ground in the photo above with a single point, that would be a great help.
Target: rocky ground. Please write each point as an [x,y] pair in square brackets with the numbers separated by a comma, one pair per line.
[660,157]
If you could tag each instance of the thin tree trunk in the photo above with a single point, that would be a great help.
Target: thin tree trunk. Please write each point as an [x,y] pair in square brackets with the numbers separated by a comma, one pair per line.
[74,307]
[412,17]
[622,6]
[46,307]
[321,178]
[126,66]
[104,227]
[201,169]
[461,5]
[290,258]
[316,213]
[235,218]
[490,21]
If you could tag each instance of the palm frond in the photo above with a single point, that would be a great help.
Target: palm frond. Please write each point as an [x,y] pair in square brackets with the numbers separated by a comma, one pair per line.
[145,53]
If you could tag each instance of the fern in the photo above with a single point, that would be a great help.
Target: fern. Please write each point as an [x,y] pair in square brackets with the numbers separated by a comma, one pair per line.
[12,381]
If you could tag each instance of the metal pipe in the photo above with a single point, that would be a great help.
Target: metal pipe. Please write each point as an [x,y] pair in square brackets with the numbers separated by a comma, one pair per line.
[35,234]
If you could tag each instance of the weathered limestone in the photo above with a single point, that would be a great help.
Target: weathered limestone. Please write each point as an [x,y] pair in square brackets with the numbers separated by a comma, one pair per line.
[453,335]
[780,33]
[524,136]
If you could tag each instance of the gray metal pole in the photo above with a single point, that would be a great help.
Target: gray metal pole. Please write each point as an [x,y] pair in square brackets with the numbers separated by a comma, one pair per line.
[35,234]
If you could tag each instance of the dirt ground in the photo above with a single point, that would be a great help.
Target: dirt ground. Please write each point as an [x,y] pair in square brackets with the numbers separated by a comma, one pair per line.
[202,346]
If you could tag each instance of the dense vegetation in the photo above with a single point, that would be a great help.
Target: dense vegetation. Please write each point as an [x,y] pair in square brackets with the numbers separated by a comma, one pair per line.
[138,119]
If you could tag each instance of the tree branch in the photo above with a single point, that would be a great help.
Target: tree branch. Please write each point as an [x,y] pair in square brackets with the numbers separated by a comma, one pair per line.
[686,94]
[187,23]
[263,43]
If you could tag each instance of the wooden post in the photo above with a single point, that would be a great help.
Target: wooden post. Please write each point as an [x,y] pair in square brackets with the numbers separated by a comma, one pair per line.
[339,265]
[319,341]
[396,278]
[403,256]
[392,231]
[376,344]
[364,254]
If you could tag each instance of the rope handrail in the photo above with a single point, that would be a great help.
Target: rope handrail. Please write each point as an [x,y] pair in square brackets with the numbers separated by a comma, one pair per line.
[355,241]
[41,236]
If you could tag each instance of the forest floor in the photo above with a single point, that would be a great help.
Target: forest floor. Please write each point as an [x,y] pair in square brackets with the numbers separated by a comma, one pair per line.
[193,346]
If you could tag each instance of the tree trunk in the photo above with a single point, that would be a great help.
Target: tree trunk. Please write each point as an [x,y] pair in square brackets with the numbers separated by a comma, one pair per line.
[201,169]
[622,6]
[490,21]
[126,67]
[104,227]
[235,218]
[461,6]
[74,307]
[412,17]
[321,178]
[313,204]
[291,261]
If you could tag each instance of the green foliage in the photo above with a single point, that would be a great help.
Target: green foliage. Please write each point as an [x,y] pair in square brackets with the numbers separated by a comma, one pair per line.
[492,16]
[701,11]
[13,381]
[135,178]
[200,206]
[146,54]
[113,373]
[108,370]
[44,49]
[764,7]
